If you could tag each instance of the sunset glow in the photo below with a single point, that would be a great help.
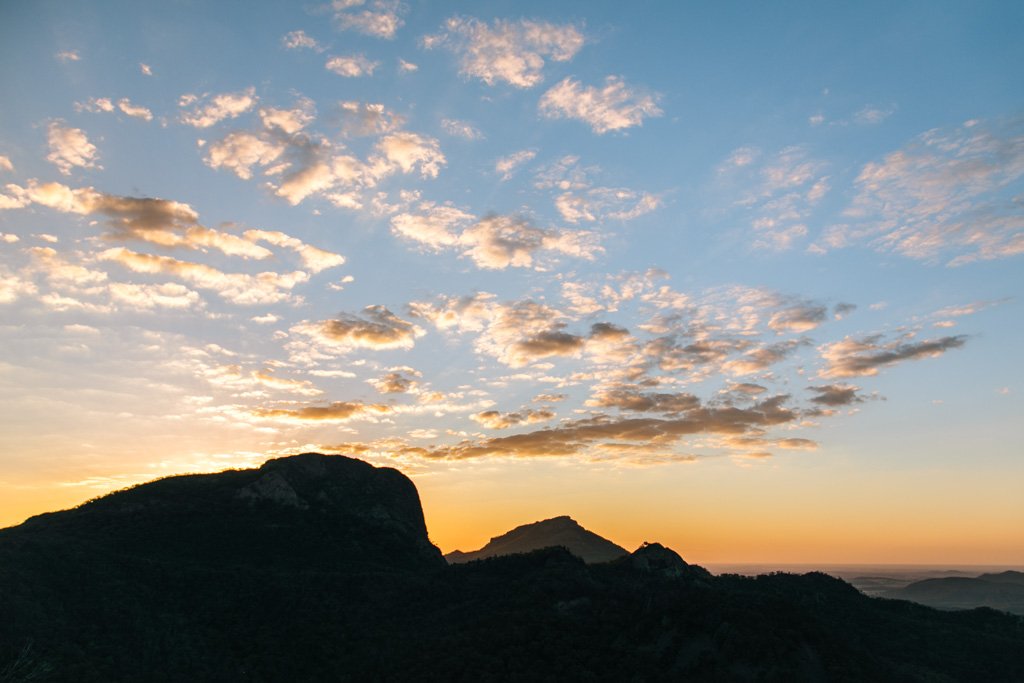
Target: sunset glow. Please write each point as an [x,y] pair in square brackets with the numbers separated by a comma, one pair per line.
[742,279]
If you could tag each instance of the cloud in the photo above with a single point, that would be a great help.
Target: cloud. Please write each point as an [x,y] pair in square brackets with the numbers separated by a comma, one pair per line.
[5,164]
[606,433]
[602,203]
[381,20]
[507,166]
[359,119]
[299,40]
[761,358]
[69,147]
[858,357]
[949,195]
[95,105]
[615,106]
[397,381]
[300,165]
[68,56]
[407,151]
[579,200]
[870,115]
[836,395]
[802,317]
[351,66]
[167,223]
[376,329]
[339,411]
[461,129]
[630,398]
[289,121]
[493,419]
[145,69]
[842,309]
[240,151]
[239,288]
[509,51]
[494,242]
[209,111]
[313,258]
[134,110]
[779,192]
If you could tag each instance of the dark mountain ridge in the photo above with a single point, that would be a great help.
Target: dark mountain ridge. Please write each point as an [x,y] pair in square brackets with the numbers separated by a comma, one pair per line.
[1003,591]
[561,531]
[318,568]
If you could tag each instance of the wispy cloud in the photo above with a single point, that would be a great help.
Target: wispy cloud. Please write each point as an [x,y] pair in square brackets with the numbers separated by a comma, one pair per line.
[949,195]
[351,66]
[207,110]
[614,106]
[378,18]
[509,51]
[70,148]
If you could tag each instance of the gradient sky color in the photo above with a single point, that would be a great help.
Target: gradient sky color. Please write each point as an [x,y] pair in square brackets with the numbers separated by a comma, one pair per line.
[742,278]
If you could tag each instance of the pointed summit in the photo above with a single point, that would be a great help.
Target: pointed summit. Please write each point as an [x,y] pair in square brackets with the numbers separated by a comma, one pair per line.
[558,531]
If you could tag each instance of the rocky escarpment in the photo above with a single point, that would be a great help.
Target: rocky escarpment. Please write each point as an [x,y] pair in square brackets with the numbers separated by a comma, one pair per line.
[309,510]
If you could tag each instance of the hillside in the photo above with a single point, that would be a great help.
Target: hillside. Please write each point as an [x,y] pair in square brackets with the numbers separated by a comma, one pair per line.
[318,568]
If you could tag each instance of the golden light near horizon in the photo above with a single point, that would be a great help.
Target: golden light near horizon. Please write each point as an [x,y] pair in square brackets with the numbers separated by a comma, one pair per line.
[756,300]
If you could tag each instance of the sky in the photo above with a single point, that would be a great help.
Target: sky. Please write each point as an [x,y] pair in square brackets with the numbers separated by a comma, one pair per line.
[741,278]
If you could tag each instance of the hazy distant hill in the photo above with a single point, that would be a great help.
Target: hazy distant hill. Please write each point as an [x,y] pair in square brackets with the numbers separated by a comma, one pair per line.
[1004,591]
[558,531]
[318,568]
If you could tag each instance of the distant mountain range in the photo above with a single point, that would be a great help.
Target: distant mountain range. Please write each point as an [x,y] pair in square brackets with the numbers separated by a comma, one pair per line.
[562,531]
[1002,591]
[319,568]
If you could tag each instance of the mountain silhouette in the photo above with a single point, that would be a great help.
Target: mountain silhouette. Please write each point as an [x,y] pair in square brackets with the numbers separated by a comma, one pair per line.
[319,568]
[1002,591]
[561,531]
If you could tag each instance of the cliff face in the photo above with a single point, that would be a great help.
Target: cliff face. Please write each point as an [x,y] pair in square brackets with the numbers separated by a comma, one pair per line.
[310,510]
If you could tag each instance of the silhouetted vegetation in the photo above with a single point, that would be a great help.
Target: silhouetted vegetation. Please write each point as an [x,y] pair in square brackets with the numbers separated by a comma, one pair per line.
[187,580]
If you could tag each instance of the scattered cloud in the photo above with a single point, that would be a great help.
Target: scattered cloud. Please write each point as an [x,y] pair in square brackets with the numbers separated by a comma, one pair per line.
[461,129]
[615,106]
[871,115]
[145,69]
[493,242]
[207,110]
[5,164]
[380,18]
[507,166]
[836,395]
[70,148]
[376,329]
[402,380]
[509,51]
[339,411]
[366,118]
[407,67]
[864,356]
[134,110]
[300,40]
[779,192]
[949,195]
[351,66]
[493,419]
[68,56]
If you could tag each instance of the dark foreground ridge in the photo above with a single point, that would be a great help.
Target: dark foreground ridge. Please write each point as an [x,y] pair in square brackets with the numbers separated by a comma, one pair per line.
[558,531]
[318,568]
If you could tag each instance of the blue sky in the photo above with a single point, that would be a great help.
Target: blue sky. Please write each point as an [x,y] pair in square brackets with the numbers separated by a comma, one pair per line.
[750,250]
